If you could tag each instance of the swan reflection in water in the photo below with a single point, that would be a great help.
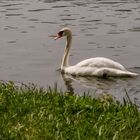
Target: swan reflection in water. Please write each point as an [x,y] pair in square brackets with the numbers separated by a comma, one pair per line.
[94,84]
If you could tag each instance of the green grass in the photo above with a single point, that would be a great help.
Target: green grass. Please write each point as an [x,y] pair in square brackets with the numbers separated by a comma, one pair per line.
[32,113]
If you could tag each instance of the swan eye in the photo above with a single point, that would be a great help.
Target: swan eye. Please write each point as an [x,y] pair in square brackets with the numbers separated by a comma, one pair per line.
[61,33]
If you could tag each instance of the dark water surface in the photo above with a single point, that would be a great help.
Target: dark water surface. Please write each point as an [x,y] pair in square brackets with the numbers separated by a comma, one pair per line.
[109,28]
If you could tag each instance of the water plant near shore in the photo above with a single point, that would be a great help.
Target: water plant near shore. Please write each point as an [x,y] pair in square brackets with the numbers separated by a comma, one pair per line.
[28,112]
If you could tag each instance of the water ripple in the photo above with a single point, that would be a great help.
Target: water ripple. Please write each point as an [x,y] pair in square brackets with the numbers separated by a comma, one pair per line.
[52,1]
[60,6]
[12,9]
[13,14]
[108,28]
[49,22]
[124,10]
[9,5]
[38,10]
[111,2]
[135,29]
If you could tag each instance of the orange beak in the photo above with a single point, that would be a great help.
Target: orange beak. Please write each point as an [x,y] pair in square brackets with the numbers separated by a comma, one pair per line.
[58,36]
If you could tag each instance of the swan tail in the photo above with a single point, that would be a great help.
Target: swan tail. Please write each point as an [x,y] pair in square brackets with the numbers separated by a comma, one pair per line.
[131,74]
[114,73]
[125,74]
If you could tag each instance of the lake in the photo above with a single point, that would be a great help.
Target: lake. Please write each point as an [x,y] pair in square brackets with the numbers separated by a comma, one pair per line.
[108,28]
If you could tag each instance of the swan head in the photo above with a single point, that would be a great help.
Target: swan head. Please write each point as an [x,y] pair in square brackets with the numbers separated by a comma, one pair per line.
[64,32]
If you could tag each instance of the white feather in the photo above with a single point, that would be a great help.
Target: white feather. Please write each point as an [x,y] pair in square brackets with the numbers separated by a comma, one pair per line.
[98,66]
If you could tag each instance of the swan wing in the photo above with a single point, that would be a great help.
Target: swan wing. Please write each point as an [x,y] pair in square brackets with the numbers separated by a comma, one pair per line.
[99,72]
[101,62]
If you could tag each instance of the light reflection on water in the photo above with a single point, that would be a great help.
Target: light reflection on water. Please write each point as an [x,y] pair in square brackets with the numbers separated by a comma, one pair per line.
[100,28]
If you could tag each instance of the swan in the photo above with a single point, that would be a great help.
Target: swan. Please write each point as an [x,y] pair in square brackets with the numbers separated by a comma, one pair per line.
[98,66]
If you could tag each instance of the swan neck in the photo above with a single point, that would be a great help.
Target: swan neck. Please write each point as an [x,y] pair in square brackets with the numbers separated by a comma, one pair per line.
[65,60]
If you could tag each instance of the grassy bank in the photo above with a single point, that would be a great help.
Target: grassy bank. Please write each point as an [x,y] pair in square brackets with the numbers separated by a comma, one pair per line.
[37,114]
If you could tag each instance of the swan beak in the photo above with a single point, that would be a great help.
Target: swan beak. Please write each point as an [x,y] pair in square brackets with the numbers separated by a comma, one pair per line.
[57,37]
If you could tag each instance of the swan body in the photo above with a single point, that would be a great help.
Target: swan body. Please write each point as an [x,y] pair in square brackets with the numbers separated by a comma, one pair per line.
[98,66]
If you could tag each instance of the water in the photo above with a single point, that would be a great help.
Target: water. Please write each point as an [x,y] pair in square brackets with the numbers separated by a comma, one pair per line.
[108,28]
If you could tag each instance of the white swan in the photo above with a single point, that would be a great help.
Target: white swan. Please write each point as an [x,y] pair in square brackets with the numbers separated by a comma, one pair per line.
[98,66]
